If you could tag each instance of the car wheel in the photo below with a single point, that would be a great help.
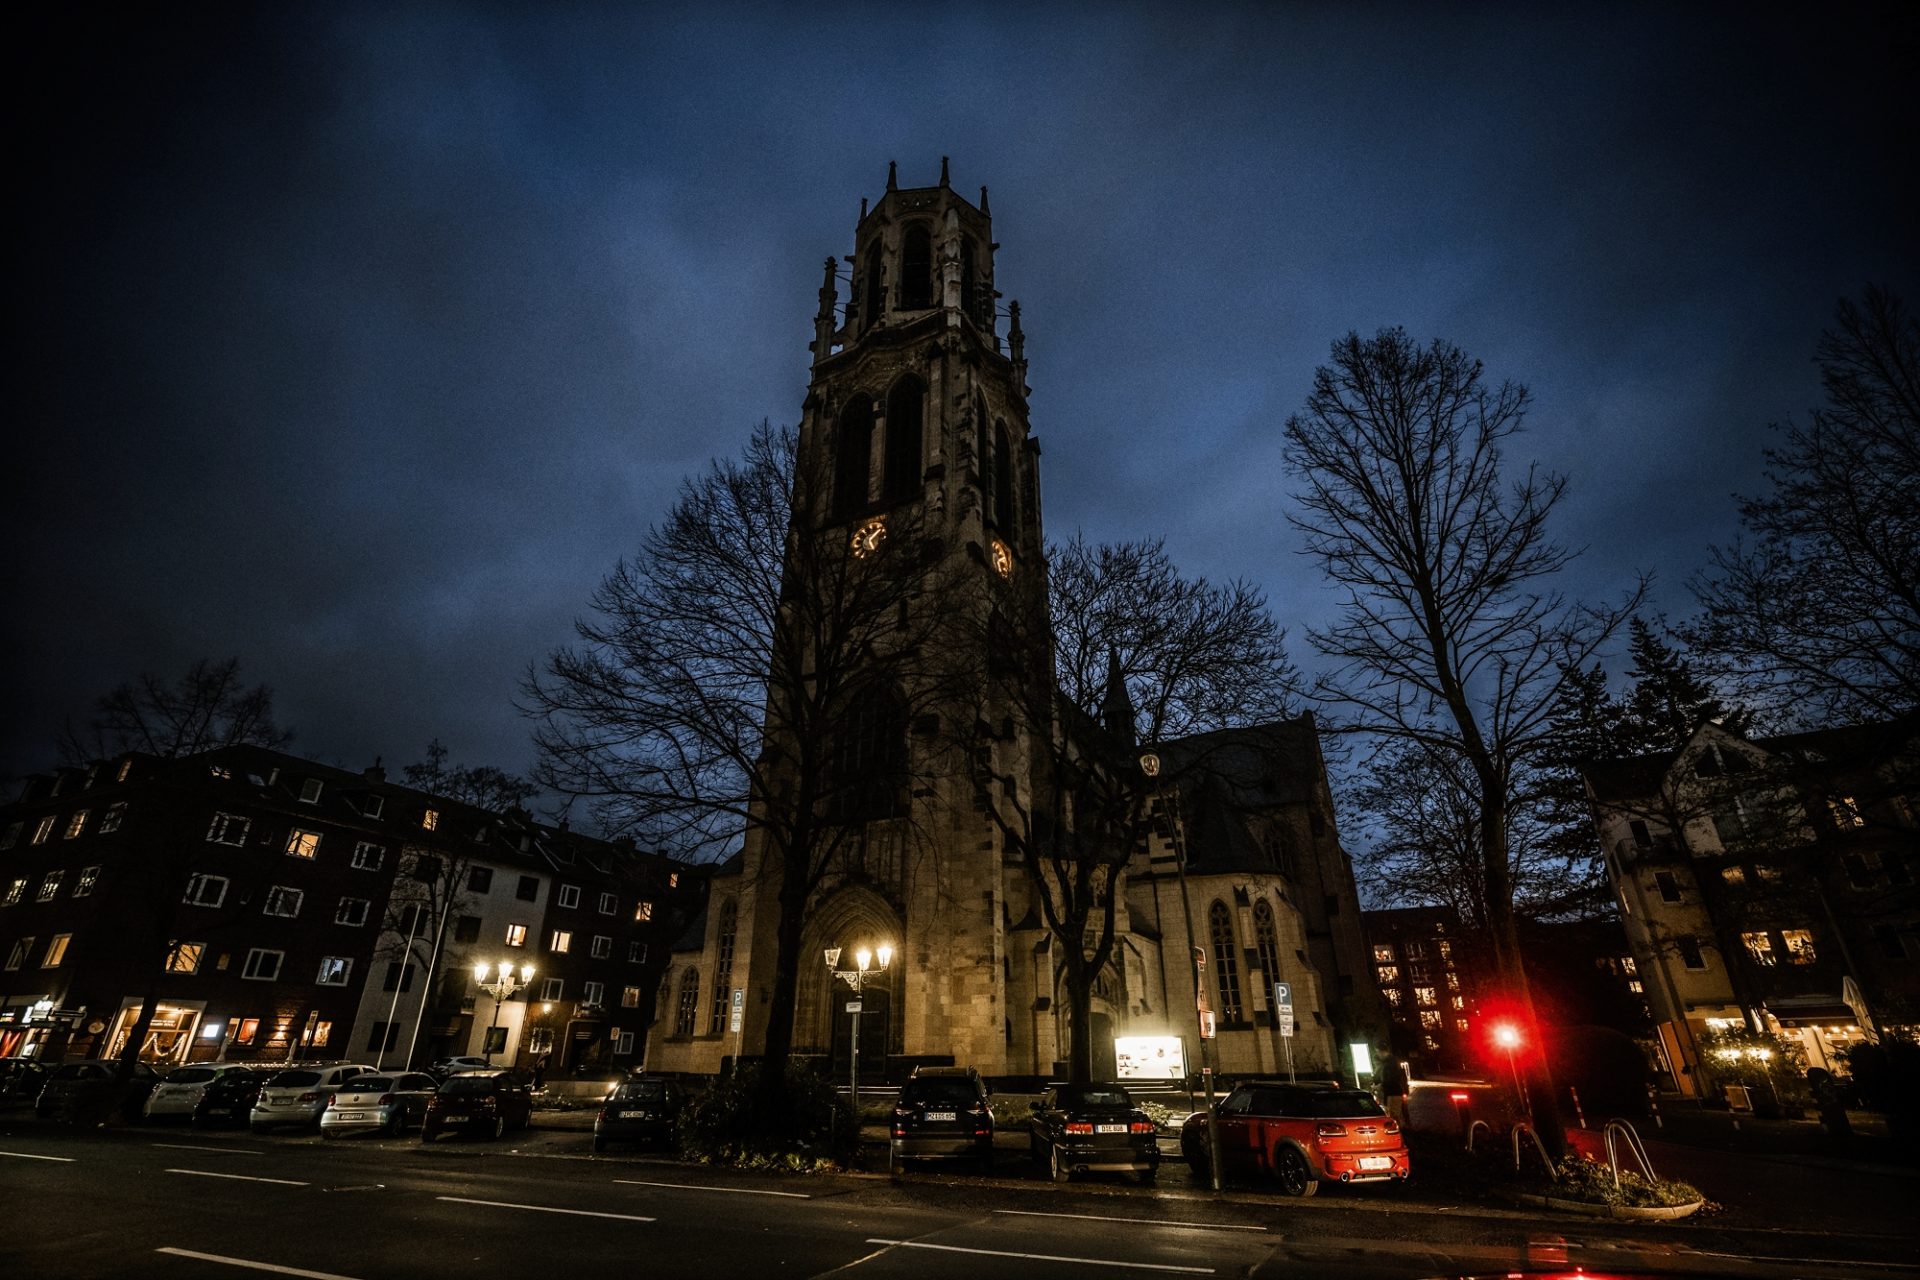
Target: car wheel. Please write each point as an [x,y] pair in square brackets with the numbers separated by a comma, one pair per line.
[986,1164]
[1296,1179]
[1197,1161]
[499,1129]
[599,1143]
[895,1165]
[1058,1166]
[329,1134]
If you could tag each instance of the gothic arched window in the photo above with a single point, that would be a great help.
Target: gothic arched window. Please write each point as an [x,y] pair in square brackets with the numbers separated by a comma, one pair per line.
[1266,941]
[916,268]
[854,459]
[1226,970]
[689,1001]
[868,767]
[903,439]
[722,970]
[876,302]
[1003,479]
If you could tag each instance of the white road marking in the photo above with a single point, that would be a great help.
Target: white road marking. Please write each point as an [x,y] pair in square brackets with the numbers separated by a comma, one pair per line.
[1809,1262]
[694,1186]
[1044,1257]
[239,1177]
[23,1155]
[1158,1222]
[225,1151]
[546,1208]
[251,1265]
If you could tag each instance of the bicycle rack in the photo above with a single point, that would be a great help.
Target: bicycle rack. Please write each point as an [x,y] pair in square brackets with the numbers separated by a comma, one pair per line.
[1546,1161]
[1476,1127]
[1622,1130]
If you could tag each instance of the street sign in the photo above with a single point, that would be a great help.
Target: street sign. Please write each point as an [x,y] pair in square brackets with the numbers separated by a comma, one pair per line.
[1286,1025]
[739,997]
[1283,1006]
[853,1006]
[1206,1024]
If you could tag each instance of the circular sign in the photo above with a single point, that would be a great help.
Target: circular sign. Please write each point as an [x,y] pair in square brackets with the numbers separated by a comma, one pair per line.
[95,1027]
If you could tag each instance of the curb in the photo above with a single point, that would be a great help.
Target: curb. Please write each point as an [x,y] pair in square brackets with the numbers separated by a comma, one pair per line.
[1618,1212]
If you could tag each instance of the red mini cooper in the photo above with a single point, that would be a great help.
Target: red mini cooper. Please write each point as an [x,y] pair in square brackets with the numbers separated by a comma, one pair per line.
[1301,1136]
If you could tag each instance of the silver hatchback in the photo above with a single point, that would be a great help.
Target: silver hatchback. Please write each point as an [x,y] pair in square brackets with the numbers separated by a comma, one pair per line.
[178,1092]
[378,1104]
[298,1095]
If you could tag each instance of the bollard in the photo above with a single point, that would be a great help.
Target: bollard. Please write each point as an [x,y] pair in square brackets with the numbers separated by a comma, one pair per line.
[1578,1114]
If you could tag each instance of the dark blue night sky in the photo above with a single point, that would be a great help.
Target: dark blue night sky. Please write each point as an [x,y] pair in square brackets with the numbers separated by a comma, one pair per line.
[361,341]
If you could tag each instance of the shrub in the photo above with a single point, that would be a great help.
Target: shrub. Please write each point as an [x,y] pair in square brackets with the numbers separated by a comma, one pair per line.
[1591,1181]
[802,1125]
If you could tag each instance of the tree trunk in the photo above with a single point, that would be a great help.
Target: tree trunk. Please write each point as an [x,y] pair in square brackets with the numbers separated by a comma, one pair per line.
[1079,992]
[778,1045]
[1511,963]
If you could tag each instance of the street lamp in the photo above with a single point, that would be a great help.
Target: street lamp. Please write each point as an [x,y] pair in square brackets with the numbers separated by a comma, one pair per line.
[503,987]
[856,978]
[1507,1036]
[1150,766]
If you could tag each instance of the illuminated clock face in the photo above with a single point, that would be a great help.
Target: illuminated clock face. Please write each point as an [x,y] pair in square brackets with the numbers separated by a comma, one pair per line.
[868,537]
[1002,559]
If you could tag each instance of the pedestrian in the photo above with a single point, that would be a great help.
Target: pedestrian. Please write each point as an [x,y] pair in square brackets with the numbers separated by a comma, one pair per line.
[540,1072]
[1393,1083]
[1831,1102]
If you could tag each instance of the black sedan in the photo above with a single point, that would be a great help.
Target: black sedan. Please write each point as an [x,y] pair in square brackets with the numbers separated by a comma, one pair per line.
[640,1109]
[83,1090]
[1093,1128]
[227,1102]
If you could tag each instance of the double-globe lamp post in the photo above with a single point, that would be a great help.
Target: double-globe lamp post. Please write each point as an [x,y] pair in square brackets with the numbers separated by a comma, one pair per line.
[856,978]
[503,987]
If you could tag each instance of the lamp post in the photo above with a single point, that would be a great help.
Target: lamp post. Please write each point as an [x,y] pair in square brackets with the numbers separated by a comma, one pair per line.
[503,987]
[1150,766]
[1507,1036]
[856,978]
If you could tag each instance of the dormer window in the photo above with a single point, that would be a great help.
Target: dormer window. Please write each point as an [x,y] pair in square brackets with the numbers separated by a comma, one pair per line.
[373,807]
[310,790]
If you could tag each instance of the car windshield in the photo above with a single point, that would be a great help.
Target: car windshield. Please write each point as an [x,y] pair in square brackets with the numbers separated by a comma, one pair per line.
[1094,1097]
[369,1084]
[643,1091]
[469,1085]
[289,1079]
[952,1089]
[191,1075]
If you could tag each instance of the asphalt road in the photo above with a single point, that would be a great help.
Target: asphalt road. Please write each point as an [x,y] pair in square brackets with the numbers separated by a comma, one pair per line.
[179,1203]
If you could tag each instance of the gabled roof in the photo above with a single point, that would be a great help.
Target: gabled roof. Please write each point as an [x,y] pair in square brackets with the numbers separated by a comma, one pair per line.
[1834,750]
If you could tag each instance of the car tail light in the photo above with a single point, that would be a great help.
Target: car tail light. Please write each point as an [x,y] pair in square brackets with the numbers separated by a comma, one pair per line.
[1143,1126]
[1393,1126]
[601,1114]
[386,1100]
[1079,1126]
[902,1112]
[978,1109]
[1328,1129]
[332,1098]
[309,1097]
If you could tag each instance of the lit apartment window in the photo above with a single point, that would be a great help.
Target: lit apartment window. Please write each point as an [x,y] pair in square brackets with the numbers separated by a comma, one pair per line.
[110,820]
[310,791]
[351,911]
[303,844]
[368,856]
[643,911]
[569,895]
[228,828]
[607,904]
[249,1028]
[16,891]
[1453,981]
[1799,943]
[77,824]
[1393,996]
[322,1032]
[1734,875]
[552,988]
[205,890]
[44,832]
[50,886]
[83,887]
[430,820]
[673,880]
[629,997]
[262,965]
[220,772]
[334,971]
[602,946]
[1846,813]
[22,948]
[1460,1025]
[1430,1020]
[56,951]
[126,767]
[185,957]
[1426,996]
[516,935]
[1389,973]
[283,901]
[1383,953]
[561,942]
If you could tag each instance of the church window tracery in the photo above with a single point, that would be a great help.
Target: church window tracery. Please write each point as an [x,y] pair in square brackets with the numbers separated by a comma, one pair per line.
[1266,940]
[689,1001]
[1220,927]
[868,769]
[722,969]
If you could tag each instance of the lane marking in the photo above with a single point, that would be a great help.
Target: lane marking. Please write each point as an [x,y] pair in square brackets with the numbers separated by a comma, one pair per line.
[547,1208]
[225,1151]
[251,1265]
[239,1177]
[25,1155]
[1044,1257]
[1159,1222]
[1809,1262]
[732,1191]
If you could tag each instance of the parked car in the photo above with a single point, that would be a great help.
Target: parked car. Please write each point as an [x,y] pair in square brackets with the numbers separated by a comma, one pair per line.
[378,1103]
[298,1095]
[73,1088]
[484,1102]
[1301,1136]
[1093,1128]
[640,1109]
[943,1113]
[179,1092]
[21,1080]
[227,1102]
[441,1068]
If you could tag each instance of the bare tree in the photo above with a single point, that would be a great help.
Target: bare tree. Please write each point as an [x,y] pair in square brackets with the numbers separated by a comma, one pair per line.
[1138,653]
[206,707]
[1451,637]
[733,678]
[1822,608]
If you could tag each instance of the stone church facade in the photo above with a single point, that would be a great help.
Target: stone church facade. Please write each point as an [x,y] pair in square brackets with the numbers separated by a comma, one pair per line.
[920,408]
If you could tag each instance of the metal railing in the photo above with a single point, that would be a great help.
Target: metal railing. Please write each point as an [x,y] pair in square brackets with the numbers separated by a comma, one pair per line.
[1620,1130]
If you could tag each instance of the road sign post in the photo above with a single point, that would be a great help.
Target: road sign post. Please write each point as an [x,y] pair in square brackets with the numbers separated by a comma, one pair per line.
[1283,1020]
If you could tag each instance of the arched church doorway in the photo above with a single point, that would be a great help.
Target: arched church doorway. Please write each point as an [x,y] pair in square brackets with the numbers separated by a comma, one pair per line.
[854,920]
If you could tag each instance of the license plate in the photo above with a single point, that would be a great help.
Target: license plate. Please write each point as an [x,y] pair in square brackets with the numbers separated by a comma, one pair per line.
[218,1111]
[350,1115]
[943,1115]
[635,1115]
[1376,1162]
[1109,1128]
